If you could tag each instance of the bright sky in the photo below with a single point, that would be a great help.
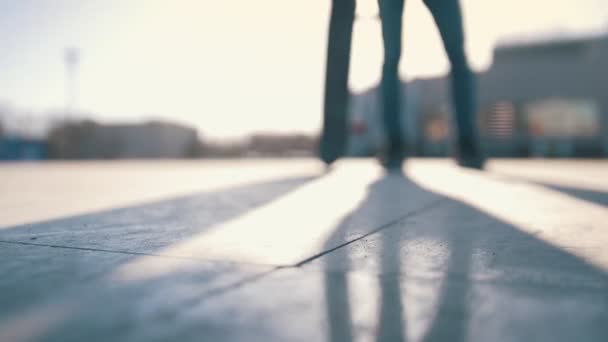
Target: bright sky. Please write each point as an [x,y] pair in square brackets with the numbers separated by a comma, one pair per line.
[233,67]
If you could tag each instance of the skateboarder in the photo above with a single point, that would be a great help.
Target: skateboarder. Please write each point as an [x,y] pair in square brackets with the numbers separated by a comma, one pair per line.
[448,18]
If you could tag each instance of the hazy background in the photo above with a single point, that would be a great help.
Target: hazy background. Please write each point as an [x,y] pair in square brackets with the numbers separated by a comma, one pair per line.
[233,67]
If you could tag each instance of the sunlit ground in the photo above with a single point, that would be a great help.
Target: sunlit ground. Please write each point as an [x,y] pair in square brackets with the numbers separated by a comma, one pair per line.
[218,244]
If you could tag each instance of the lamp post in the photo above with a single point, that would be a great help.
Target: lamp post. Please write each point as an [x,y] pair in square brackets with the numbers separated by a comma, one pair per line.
[71,60]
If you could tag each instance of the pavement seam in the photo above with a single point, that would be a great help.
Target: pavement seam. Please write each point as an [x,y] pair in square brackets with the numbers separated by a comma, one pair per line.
[384,226]
[88,249]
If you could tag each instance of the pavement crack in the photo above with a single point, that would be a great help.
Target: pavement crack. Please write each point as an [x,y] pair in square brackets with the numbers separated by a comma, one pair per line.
[429,206]
[74,247]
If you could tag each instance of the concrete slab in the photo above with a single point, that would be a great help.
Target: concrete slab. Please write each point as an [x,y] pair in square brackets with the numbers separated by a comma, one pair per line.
[358,306]
[34,274]
[436,254]
[544,230]
[280,222]
[310,305]
[147,228]
[301,224]
[567,222]
[39,192]
[45,289]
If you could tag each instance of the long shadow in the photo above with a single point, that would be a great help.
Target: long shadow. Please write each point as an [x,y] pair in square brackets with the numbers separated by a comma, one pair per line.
[125,232]
[593,196]
[484,279]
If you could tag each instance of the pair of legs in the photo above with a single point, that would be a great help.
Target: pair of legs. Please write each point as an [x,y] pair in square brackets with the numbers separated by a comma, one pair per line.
[447,16]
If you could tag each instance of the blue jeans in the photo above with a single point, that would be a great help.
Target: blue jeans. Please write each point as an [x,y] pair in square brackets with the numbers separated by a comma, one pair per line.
[448,18]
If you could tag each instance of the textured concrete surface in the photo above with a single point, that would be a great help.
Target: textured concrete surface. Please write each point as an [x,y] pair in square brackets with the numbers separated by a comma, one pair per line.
[282,251]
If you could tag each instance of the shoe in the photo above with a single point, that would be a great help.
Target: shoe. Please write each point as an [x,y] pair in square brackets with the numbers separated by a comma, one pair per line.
[474,161]
[392,159]
[469,155]
[329,152]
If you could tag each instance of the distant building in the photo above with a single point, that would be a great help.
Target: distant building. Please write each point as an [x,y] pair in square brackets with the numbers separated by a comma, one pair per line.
[16,148]
[537,99]
[90,140]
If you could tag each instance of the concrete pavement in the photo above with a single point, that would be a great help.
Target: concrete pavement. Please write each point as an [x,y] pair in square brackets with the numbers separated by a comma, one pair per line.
[280,250]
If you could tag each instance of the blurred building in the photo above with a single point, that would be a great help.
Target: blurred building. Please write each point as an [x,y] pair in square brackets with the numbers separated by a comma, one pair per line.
[18,148]
[281,145]
[90,140]
[262,145]
[546,98]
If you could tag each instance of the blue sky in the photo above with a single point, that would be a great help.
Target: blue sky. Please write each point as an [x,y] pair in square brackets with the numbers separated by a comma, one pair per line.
[232,67]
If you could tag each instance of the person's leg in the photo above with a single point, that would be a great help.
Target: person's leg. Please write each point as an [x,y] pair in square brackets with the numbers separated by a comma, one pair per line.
[448,17]
[334,132]
[391,13]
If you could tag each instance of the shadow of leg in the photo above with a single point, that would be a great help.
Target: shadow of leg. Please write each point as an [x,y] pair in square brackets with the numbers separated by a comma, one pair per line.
[338,307]
[452,317]
[391,324]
